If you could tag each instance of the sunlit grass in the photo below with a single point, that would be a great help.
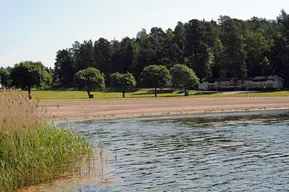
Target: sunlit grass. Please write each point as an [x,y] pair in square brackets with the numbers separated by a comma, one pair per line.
[244,94]
[63,95]
[144,93]
[33,151]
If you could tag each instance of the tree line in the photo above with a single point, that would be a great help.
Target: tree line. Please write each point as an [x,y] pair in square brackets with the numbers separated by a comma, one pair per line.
[228,47]
[28,74]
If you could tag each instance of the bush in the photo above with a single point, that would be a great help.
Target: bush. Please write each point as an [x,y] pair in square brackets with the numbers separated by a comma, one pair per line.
[32,151]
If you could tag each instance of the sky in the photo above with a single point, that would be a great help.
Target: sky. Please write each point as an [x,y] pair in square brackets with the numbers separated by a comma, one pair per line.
[36,29]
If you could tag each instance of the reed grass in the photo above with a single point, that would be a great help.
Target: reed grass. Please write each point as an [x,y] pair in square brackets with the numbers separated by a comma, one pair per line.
[33,151]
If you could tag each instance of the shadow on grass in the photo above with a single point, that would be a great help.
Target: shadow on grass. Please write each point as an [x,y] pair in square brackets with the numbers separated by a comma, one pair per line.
[204,93]
[152,91]
[110,90]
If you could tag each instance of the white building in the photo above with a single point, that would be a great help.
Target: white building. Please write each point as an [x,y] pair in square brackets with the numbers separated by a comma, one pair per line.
[254,83]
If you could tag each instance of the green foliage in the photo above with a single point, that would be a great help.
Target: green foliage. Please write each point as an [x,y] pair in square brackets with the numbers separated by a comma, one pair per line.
[33,151]
[199,37]
[256,46]
[27,74]
[90,79]
[103,55]
[183,76]
[122,82]
[126,56]
[34,157]
[233,57]
[4,76]
[84,55]
[64,69]
[266,61]
[229,48]
[155,76]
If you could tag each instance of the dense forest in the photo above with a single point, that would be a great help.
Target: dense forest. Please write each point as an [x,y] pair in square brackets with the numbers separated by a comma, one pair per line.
[227,47]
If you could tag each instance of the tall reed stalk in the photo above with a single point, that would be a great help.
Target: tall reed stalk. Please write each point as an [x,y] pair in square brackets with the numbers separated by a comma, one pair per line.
[33,151]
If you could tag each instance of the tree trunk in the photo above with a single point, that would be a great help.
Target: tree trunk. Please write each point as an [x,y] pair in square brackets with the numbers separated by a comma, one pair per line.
[29,93]
[235,84]
[88,93]
[123,94]
[156,92]
[186,92]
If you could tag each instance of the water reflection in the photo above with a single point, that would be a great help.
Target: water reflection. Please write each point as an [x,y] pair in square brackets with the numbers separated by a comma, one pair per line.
[230,152]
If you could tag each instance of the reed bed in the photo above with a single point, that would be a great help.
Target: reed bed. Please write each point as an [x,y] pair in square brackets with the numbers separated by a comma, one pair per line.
[33,151]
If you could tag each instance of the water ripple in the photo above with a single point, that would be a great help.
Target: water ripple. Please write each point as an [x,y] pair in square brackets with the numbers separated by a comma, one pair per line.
[215,153]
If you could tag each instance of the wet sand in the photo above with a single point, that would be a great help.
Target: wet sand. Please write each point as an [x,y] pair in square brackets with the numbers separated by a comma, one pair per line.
[126,108]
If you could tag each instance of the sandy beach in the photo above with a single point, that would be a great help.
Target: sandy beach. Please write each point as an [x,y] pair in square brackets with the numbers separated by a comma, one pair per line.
[126,108]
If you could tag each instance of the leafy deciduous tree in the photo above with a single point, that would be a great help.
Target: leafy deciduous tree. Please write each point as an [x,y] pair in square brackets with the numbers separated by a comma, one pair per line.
[89,79]
[27,74]
[156,76]
[256,47]
[183,76]
[123,82]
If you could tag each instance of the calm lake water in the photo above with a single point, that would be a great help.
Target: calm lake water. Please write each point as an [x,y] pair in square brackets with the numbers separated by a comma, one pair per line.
[216,152]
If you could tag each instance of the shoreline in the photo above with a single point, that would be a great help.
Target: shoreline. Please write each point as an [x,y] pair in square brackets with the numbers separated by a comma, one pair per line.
[131,108]
[168,114]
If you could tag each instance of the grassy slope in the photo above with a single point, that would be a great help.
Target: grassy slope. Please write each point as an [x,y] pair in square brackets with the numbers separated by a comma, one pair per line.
[144,93]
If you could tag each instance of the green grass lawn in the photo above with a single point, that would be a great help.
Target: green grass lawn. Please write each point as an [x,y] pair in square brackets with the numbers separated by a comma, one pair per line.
[263,94]
[55,94]
[143,93]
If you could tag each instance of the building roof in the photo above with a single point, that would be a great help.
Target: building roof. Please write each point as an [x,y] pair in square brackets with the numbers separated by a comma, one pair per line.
[270,77]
